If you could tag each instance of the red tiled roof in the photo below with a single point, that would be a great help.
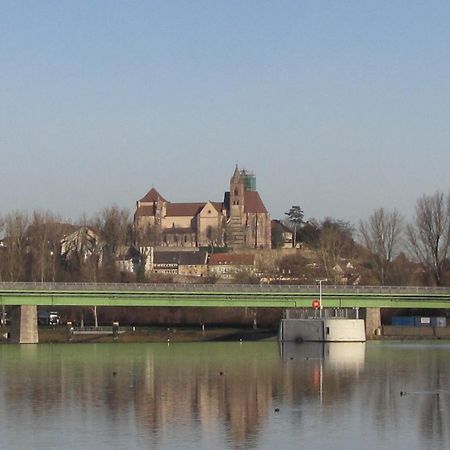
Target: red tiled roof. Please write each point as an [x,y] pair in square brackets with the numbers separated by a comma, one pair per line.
[183,209]
[231,259]
[253,203]
[144,211]
[218,206]
[152,196]
[177,209]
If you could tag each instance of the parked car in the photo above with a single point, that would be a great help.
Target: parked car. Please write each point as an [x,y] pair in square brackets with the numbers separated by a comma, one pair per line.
[4,319]
[53,318]
[49,318]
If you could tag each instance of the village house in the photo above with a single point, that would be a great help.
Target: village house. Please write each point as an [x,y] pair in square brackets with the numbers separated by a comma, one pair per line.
[283,233]
[128,258]
[188,263]
[228,265]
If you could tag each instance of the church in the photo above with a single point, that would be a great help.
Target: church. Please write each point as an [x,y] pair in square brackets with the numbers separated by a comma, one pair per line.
[240,221]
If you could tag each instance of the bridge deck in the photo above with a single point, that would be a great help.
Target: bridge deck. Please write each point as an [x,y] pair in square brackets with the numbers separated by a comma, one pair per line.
[194,295]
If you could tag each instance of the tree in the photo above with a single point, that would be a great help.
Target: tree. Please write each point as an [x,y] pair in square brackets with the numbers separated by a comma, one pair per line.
[115,229]
[277,235]
[43,239]
[381,234]
[15,225]
[429,234]
[295,217]
[310,233]
[336,241]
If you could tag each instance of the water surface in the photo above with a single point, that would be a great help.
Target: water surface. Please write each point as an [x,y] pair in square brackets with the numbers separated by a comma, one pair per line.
[225,396]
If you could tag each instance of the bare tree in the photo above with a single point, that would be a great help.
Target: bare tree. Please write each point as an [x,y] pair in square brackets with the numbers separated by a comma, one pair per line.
[2,248]
[44,234]
[429,234]
[381,234]
[115,230]
[115,227]
[15,226]
[336,241]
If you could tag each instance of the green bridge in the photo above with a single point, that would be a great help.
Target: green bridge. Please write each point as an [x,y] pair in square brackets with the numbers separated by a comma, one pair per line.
[23,298]
[213,295]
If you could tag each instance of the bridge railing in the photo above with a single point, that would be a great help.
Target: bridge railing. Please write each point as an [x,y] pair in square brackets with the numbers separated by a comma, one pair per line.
[191,287]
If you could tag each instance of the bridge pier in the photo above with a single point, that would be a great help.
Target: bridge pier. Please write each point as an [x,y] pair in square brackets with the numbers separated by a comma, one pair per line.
[24,326]
[373,322]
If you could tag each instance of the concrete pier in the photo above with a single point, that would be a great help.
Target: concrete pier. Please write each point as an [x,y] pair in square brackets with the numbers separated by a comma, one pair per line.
[24,326]
[322,330]
[373,322]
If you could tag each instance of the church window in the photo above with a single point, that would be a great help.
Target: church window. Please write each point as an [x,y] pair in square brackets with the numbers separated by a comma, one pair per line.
[236,192]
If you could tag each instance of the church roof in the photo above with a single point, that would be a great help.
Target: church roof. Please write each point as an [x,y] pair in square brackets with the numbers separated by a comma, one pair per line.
[144,211]
[253,203]
[183,209]
[177,209]
[152,196]
[218,206]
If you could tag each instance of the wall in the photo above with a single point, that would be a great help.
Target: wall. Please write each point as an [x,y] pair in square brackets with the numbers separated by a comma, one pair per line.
[333,330]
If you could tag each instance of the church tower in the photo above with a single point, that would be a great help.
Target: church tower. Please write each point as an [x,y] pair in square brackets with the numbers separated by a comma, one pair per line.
[235,226]
[237,189]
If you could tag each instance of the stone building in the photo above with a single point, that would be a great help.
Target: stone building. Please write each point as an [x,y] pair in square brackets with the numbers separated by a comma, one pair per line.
[241,220]
[228,265]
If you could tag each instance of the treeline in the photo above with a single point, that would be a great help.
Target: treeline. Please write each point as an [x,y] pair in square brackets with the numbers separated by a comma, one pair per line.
[388,249]
[384,249]
[30,247]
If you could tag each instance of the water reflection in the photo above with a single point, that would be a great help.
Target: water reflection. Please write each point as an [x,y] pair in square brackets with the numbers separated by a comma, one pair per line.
[223,395]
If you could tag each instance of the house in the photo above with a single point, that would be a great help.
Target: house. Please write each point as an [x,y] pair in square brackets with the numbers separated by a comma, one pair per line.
[82,243]
[193,264]
[228,265]
[282,234]
[188,263]
[128,258]
[165,262]
[240,220]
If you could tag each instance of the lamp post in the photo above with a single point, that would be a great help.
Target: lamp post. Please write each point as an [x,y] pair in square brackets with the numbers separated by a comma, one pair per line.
[320,295]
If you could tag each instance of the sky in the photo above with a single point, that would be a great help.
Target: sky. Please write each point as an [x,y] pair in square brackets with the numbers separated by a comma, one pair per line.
[339,107]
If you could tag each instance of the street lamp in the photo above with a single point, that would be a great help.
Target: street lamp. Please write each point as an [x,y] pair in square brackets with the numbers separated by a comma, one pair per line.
[320,295]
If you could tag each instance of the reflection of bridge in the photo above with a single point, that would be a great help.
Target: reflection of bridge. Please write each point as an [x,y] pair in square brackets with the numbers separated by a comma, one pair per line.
[213,295]
[29,295]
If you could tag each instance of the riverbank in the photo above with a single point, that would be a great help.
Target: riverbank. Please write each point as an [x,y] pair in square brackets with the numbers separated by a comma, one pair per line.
[60,334]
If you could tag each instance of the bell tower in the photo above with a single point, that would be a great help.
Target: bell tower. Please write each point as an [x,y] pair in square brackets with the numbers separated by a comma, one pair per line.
[237,189]
[235,225]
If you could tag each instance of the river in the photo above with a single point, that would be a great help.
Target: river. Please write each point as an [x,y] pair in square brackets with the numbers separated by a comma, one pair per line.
[258,395]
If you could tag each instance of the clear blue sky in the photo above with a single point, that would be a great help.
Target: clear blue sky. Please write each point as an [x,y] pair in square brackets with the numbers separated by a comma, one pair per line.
[339,106]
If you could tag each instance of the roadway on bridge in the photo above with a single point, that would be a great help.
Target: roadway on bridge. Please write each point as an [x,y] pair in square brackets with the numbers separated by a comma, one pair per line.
[229,296]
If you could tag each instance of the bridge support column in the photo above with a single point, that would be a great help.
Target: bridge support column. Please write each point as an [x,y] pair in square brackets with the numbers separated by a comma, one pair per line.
[24,327]
[373,322]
